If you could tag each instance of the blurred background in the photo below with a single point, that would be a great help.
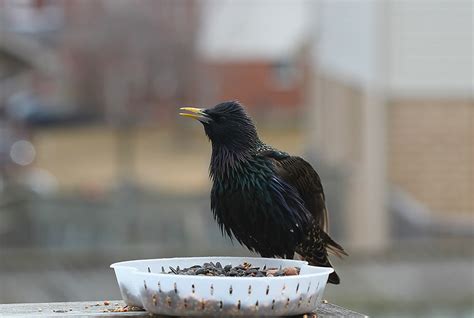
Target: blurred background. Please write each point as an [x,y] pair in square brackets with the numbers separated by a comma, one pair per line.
[97,167]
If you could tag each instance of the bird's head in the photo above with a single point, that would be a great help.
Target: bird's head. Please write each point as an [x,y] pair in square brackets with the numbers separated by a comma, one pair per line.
[227,125]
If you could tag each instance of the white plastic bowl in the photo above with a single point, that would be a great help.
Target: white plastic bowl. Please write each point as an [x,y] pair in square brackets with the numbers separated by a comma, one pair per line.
[143,284]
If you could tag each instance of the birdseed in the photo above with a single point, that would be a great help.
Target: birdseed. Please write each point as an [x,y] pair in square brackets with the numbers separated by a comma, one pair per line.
[241,270]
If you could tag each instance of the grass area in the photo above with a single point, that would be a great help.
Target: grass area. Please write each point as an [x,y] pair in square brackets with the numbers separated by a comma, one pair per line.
[164,159]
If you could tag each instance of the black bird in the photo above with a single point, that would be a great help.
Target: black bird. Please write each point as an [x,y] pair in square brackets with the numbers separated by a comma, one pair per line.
[269,201]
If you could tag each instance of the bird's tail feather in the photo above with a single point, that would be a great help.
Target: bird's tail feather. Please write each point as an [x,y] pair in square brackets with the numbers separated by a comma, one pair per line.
[334,278]
[333,247]
[315,251]
[317,261]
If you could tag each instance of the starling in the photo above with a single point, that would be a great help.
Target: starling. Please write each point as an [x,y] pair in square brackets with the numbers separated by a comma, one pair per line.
[269,201]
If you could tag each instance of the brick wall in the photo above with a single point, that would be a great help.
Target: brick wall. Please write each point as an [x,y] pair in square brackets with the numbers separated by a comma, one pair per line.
[254,83]
[430,143]
[431,152]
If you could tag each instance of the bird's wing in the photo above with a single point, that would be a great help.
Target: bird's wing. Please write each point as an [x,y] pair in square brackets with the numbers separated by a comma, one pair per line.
[300,174]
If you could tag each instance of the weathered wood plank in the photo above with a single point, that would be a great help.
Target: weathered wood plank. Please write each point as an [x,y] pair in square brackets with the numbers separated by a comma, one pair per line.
[98,309]
[329,310]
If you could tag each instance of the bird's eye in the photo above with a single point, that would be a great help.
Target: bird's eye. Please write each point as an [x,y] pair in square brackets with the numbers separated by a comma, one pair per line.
[219,118]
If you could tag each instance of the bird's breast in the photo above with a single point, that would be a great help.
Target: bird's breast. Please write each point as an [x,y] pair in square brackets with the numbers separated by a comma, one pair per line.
[247,208]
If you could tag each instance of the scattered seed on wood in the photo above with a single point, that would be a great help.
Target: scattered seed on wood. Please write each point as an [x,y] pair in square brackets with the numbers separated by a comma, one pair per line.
[125,309]
[59,310]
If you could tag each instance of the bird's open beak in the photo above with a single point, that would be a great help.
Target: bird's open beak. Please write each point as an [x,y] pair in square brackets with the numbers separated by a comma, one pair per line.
[196,113]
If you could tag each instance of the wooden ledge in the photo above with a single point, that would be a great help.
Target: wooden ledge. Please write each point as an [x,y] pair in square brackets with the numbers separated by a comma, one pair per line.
[101,309]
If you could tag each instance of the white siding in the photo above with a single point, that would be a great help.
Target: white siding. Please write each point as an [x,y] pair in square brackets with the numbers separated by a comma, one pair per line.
[414,47]
[252,30]
[346,40]
[431,47]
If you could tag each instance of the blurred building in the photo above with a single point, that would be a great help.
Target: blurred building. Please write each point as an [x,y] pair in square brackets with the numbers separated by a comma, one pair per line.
[119,60]
[28,90]
[32,29]
[393,88]
[113,59]
[256,52]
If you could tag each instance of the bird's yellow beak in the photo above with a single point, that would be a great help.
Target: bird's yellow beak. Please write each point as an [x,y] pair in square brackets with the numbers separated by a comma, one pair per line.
[195,113]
